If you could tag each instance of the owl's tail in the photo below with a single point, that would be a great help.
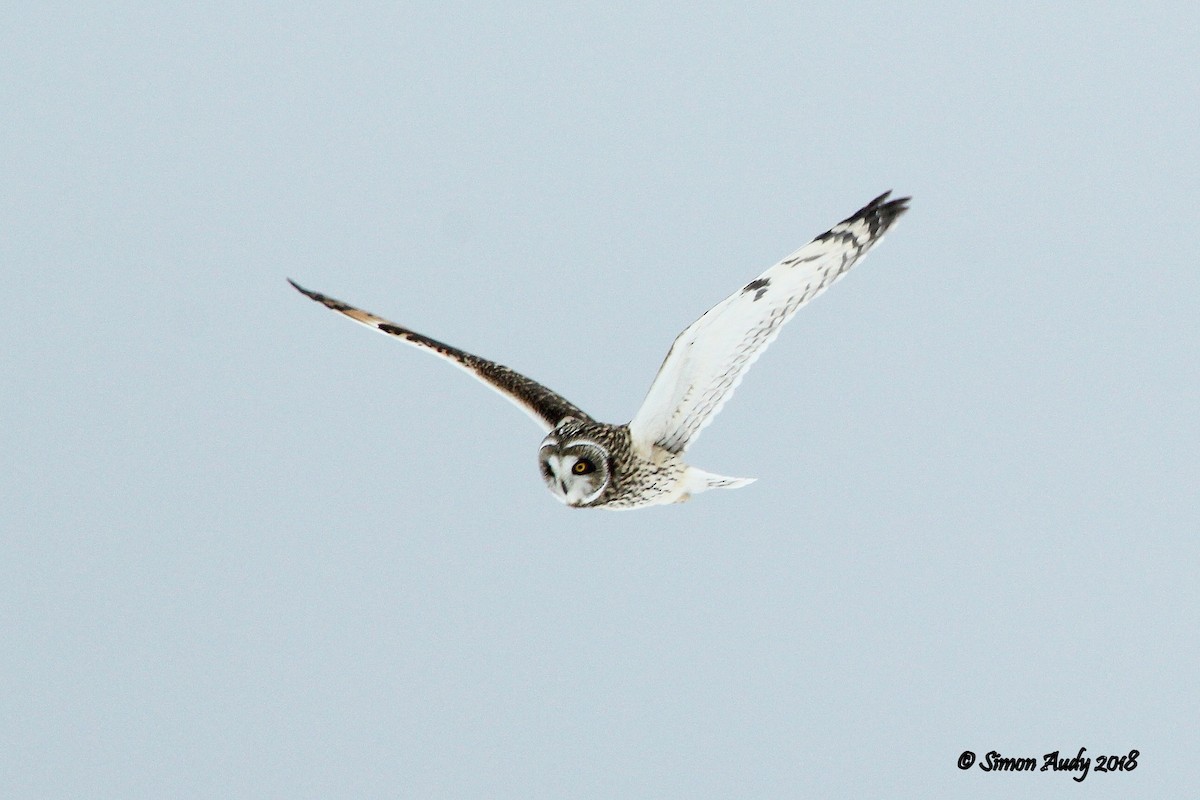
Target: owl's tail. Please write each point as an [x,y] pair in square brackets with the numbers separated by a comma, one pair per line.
[700,481]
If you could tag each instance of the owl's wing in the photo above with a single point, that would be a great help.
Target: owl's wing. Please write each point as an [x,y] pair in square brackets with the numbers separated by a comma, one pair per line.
[707,361]
[547,408]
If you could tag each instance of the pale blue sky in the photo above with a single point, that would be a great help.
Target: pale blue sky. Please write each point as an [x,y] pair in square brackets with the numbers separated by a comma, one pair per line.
[252,550]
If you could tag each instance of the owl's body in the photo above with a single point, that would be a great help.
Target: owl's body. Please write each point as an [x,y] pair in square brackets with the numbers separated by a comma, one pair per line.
[622,473]
[591,464]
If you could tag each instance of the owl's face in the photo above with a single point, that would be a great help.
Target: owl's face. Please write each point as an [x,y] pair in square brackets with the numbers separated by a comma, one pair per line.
[576,469]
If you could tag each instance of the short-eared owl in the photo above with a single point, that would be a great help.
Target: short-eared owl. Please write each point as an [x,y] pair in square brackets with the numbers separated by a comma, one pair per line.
[590,464]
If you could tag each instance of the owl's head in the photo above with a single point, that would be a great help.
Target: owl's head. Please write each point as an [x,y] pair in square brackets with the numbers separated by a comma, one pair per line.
[576,467]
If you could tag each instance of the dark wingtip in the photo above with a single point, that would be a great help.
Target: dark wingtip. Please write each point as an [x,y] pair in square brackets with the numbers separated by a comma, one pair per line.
[889,211]
[303,291]
[881,212]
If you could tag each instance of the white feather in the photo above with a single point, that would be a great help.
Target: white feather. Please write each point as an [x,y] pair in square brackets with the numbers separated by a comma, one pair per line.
[710,357]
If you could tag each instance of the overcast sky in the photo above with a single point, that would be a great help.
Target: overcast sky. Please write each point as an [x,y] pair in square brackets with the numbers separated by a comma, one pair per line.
[252,550]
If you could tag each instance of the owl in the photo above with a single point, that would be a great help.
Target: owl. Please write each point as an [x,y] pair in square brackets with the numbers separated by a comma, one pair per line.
[590,464]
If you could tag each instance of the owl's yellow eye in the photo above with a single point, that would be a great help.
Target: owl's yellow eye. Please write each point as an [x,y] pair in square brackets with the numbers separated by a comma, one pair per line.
[583,467]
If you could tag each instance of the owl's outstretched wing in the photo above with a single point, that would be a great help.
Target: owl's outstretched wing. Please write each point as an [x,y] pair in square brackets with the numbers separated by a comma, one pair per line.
[707,361]
[547,408]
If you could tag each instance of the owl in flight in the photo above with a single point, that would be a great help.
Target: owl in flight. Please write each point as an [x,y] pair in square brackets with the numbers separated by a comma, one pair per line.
[590,464]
